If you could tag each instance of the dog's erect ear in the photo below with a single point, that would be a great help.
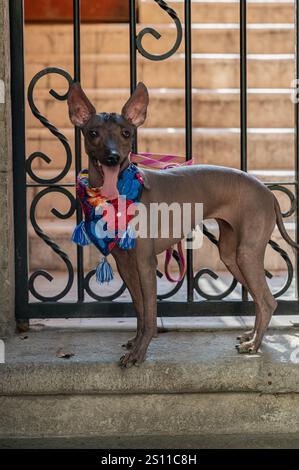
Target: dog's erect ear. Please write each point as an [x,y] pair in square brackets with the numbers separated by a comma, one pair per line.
[135,108]
[80,108]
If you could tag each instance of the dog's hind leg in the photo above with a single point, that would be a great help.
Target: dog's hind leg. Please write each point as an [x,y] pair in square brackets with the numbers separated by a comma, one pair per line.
[228,250]
[228,253]
[250,260]
[127,268]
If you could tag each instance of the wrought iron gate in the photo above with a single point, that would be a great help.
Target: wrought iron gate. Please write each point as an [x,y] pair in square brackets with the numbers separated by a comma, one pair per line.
[56,306]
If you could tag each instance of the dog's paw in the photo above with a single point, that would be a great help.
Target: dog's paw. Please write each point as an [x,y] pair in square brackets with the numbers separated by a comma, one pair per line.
[132,358]
[248,336]
[248,347]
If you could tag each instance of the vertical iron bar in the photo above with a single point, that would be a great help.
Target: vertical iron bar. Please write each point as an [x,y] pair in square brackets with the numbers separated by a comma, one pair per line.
[243,83]
[188,125]
[133,57]
[19,155]
[297,138]
[243,96]
[78,163]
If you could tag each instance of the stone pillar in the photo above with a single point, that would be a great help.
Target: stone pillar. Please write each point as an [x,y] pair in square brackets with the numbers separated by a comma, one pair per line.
[7,294]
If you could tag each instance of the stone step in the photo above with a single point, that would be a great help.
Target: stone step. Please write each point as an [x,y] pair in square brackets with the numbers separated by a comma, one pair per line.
[267,148]
[226,11]
[206,38]
[209,70]
[211,108]
[194,390]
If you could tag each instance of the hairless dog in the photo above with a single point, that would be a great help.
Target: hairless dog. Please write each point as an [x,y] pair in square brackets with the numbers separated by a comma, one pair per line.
[244,208]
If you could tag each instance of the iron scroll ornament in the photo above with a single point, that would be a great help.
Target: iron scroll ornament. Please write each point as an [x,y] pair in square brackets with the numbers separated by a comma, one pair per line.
[50,181]
[157,35]
[40,233]
[49,126]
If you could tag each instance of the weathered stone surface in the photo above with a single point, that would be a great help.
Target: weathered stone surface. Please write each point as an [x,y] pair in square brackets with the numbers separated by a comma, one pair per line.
[118,415]
[192,384]
[177,362]
[6,185]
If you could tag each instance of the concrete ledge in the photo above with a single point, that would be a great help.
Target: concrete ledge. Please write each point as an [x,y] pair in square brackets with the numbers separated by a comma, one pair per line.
[177,362]
[192,384]
[164,415]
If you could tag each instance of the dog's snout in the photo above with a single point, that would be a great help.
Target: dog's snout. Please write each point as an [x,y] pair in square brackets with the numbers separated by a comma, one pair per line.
[112,159]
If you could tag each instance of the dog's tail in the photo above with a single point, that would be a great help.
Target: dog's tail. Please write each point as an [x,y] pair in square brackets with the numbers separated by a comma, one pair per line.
[281,226]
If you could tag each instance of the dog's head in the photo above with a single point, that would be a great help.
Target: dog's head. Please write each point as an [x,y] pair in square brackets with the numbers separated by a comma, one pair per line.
[108,137]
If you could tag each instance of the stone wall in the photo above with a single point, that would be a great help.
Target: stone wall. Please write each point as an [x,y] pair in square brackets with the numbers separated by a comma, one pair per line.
[6,181]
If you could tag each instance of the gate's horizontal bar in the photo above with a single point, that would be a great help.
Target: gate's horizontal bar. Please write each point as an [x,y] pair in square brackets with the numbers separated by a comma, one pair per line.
[167,309]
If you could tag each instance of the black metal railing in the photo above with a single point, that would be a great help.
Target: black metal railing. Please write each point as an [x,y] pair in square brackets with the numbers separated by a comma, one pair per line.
[44,305]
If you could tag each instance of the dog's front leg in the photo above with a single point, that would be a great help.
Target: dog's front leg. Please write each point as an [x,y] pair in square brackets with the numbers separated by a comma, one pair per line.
[146,265]
[127,268]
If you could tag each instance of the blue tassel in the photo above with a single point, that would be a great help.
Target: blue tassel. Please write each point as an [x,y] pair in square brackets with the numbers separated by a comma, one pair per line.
[128,239]
[104,272]
[80,236]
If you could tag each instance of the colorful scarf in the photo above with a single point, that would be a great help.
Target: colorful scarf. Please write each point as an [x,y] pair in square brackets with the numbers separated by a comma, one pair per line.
[93,229]
[107,222]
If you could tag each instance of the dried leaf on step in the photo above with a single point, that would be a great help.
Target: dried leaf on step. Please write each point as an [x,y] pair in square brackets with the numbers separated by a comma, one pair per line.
[64,354]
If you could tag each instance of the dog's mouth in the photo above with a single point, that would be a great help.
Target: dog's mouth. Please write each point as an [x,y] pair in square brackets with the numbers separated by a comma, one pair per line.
[109,176]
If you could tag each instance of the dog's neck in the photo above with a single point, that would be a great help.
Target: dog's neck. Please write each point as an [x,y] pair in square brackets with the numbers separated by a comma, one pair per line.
[95,179]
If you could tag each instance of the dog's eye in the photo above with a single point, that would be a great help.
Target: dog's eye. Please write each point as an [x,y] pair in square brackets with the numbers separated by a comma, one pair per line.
[93,134]
[126,133]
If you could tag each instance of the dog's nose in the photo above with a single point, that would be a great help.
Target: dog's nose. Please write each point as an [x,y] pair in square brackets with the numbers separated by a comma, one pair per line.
[113,159]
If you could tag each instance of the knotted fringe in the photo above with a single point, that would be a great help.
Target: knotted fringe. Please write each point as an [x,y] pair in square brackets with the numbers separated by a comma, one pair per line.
[80,236]
[128,239]
[104,272]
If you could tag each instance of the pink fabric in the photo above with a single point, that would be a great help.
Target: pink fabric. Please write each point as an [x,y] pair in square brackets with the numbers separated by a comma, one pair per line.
[182,264]
[158,161]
